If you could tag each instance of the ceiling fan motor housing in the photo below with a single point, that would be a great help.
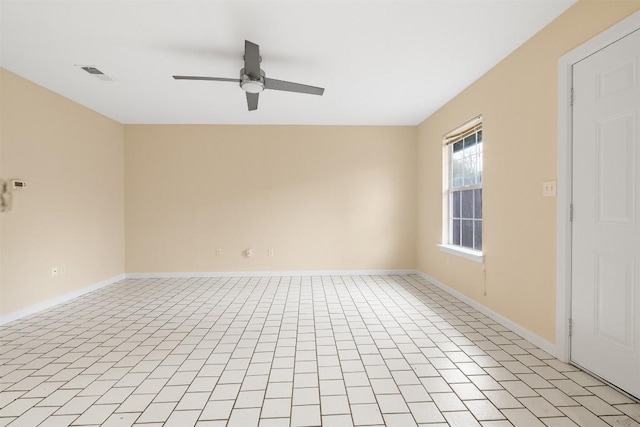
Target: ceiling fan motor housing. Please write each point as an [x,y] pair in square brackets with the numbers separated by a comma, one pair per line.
[252,84]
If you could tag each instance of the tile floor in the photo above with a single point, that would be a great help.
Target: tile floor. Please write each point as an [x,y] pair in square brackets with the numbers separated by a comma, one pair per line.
[287,351]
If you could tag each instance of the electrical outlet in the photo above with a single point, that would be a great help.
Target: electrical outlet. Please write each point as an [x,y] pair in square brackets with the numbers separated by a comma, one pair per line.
[218,251]
[249,253]
[54,271]
[549,189]
[270,252]
[63,269]
[17,184]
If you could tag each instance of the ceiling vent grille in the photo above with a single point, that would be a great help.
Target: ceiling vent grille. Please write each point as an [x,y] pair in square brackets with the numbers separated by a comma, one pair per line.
[97,73]
[92,70]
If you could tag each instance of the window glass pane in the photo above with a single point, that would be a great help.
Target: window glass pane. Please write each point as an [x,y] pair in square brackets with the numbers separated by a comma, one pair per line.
[479,165]
[467,233]
[477,203]
[457,172]
[458,146]
[467,203]
[455,204]
[470,170]
[455,232]
[477,233]
[469,141]
[479,135]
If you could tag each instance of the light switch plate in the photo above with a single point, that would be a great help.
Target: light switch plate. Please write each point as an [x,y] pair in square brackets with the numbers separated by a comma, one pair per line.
[549,189]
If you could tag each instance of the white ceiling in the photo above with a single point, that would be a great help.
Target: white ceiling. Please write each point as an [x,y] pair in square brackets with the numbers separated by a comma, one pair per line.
[382,62]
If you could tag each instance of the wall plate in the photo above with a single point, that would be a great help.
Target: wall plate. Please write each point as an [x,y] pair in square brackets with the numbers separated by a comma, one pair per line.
[16,184]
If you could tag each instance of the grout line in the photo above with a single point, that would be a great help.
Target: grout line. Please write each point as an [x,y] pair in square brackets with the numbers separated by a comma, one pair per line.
[137,325]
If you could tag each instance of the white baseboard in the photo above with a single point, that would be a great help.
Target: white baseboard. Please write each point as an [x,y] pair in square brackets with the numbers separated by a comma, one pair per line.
[513,326]
[59,300]
[287,273]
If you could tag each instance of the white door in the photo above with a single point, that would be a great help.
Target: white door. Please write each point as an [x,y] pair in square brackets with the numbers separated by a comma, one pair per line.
[606,223]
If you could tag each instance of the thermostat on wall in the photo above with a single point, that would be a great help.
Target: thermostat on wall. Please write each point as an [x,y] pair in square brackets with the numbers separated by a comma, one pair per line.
[17,184]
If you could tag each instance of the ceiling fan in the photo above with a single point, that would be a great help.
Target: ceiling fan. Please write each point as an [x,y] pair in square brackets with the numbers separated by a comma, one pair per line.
[253,80]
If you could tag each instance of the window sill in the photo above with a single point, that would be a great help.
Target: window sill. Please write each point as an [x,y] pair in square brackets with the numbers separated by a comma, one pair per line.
[469,254]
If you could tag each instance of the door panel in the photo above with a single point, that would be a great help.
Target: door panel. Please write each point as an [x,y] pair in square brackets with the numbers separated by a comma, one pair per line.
[614,315]
[618,78]
[615,169]
[605,231]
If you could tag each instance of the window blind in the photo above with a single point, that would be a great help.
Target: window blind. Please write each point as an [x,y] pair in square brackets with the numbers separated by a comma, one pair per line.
[461,132]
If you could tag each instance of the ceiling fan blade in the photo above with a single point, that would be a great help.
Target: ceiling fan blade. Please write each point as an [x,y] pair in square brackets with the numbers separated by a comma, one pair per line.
[251,59]
[252,101]
[215,79]
[274,84]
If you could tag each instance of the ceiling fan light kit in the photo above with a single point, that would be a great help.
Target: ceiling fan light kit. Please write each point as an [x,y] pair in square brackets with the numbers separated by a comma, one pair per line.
[250,84]
[253,81]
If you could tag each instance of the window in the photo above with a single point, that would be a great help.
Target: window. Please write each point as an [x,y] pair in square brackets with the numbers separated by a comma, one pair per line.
[463,151]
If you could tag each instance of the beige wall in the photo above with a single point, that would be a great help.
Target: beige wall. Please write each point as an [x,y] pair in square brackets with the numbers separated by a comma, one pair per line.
[322,197]
[518,100]
[72,210]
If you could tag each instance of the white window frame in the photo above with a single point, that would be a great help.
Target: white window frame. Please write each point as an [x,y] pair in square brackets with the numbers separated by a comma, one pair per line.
[446,246]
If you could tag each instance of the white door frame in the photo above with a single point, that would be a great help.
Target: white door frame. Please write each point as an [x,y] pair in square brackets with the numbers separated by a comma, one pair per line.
[565,183]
